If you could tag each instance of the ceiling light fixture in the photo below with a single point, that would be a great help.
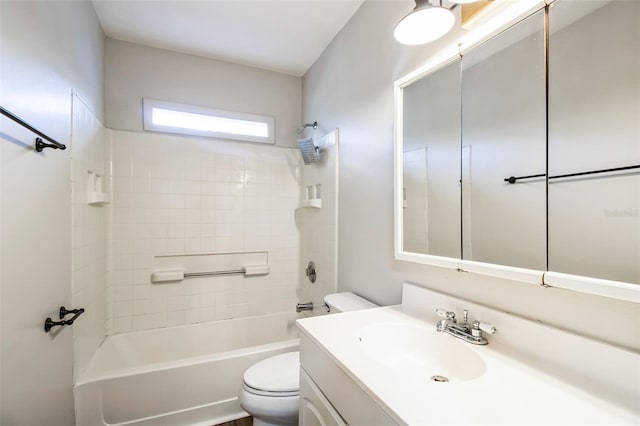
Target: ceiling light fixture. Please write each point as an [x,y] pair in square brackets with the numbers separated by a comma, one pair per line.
[425,23]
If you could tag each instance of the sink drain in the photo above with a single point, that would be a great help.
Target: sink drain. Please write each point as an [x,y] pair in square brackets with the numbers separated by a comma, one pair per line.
[440,379]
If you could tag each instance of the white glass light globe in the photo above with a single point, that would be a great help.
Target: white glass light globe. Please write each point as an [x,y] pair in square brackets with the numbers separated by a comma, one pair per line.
[424,24]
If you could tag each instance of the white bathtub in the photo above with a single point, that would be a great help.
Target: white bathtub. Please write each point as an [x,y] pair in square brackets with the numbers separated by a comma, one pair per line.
[187,375]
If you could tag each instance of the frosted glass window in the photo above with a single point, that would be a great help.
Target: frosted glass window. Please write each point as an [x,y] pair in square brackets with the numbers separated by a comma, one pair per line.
[168,117]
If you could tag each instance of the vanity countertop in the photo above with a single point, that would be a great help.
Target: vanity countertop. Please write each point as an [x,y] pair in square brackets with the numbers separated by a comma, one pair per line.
[509,391]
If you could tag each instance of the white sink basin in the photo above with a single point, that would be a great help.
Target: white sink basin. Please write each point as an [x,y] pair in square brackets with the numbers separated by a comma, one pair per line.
[420,352]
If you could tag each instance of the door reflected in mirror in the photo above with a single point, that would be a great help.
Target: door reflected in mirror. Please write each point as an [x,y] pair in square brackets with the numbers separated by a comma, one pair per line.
[431,164]
[503,135]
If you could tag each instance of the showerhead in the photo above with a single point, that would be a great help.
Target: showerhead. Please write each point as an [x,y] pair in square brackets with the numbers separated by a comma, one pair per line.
[310,151]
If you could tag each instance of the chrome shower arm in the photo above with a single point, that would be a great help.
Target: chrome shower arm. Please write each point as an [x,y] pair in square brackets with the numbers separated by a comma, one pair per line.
[314,125]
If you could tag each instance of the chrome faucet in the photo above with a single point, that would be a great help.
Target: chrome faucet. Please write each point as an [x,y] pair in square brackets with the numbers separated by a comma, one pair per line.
[471,333]
[304,307]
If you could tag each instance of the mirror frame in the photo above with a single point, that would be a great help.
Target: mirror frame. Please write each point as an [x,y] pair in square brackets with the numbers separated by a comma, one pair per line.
[498,20]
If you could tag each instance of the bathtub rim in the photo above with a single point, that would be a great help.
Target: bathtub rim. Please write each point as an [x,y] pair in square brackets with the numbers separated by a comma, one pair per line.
[292,314]
[183,362]
[89,376]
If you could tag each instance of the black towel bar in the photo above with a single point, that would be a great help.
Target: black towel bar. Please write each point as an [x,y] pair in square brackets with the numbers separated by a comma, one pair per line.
[40,144]
[49,323]
[513,179]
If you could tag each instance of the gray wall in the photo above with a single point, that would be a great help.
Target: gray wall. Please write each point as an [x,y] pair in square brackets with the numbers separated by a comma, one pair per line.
[47,50]
[351,87]
[134,71]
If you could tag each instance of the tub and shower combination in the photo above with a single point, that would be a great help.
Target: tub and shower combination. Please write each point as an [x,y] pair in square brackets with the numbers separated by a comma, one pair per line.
[186,375]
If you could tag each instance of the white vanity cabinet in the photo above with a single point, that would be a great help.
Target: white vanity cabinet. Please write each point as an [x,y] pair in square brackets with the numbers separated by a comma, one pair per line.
[383,366]
[328,396]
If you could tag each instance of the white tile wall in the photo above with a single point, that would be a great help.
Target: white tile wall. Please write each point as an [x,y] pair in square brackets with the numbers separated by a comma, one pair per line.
[176,195]
[89,271]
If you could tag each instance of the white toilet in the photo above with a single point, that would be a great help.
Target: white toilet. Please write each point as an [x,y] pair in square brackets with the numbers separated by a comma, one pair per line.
[270,387]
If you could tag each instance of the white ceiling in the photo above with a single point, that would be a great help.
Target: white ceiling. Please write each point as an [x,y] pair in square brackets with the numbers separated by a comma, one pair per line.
[279,35]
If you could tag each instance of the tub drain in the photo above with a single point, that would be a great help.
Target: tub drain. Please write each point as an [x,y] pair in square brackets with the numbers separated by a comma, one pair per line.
[437,378]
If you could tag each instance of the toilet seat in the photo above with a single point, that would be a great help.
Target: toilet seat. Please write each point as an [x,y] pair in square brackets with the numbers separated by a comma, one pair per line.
[277,376]
[261,392]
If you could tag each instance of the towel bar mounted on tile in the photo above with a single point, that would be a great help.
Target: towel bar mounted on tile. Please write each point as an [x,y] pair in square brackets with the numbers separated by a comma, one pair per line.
[213,274]
[174,275]
[246,270]
[513,179]
[40,144]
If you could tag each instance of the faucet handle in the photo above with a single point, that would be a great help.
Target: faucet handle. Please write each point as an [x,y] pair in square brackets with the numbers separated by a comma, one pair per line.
[446,314]
[484,326]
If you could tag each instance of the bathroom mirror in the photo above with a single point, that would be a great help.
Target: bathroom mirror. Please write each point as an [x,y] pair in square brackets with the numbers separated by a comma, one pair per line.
[549,156]
[430,163]
[503,135]
[594,124]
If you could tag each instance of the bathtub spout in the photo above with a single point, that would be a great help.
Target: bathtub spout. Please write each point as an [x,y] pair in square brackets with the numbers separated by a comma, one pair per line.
[304,307]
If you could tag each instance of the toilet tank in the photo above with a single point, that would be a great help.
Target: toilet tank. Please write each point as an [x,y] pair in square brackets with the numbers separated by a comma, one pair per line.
[347,301]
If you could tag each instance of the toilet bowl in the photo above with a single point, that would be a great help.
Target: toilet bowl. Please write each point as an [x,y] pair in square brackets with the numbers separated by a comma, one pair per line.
[270,387]
[270,390]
